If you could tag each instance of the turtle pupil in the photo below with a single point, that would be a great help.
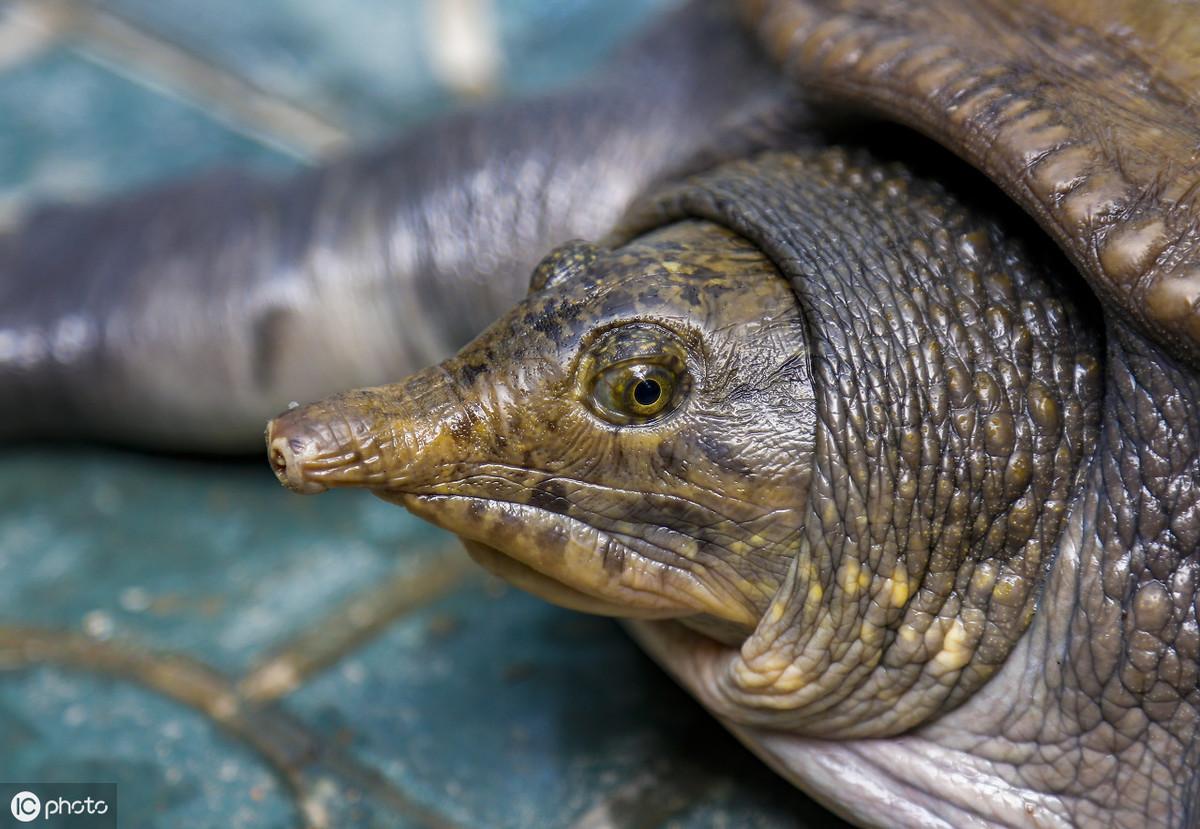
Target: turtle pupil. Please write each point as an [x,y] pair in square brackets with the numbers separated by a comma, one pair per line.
[647,392]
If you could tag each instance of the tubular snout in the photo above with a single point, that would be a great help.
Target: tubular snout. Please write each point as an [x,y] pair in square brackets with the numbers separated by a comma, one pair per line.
[381,438]
[323,445]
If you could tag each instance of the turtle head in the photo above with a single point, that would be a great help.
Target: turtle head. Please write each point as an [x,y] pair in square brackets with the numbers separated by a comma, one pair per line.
[842,439]
[632,439]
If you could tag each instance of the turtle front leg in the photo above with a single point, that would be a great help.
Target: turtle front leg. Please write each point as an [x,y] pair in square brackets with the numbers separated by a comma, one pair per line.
[183,317]
[1099,709]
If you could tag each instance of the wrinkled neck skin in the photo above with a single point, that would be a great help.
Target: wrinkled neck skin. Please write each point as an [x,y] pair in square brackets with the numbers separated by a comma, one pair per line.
[1088,717]
[1092,721]
[899,520]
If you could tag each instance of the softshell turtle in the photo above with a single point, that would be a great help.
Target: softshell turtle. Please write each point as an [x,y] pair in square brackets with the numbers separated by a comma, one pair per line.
[877,477]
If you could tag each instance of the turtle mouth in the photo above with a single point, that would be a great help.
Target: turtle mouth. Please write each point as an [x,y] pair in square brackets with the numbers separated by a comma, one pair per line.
[569,562]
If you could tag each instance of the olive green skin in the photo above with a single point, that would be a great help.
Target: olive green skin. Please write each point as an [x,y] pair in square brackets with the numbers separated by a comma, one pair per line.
[636,520]
[841,530]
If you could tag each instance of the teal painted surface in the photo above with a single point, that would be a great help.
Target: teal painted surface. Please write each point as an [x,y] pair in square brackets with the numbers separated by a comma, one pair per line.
[488,707]
[72,128]
[548,43]
[506,712]
[172,769]
[213,559]
[365,63]
[360,63]
[483,707]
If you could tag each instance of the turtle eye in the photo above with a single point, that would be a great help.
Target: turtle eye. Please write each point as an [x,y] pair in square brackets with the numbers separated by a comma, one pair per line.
[634,393]
[640,375]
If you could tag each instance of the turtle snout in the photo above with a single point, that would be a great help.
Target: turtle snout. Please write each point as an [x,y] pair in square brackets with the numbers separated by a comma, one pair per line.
[288,449]
[323,445]
[292,445]
[399,438]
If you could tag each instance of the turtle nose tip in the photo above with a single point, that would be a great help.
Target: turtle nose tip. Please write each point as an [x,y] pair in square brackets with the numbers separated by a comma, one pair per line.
[289,445]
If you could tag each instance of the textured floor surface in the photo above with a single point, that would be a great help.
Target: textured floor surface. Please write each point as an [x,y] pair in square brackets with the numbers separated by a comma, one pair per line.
[231,655]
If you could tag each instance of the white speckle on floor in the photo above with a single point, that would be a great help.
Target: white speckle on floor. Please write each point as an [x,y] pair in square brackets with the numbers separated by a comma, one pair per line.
[98,624]
[135,599]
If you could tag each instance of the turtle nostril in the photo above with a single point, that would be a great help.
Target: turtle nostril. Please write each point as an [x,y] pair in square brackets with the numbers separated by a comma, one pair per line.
[286,455]
[279,460]
[283,461]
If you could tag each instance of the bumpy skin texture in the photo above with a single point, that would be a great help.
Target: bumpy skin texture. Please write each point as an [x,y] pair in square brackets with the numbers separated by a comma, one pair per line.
[1100,706]
[843,532]
[185,316]
[1085,112]
[958,390]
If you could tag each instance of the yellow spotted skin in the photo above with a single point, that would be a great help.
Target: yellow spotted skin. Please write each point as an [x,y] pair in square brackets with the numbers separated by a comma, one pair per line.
[1086,115]
[876,419]
[958,394]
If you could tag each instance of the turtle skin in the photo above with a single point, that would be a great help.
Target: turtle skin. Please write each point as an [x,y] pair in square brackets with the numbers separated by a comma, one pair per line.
[836,532]
[1083,115]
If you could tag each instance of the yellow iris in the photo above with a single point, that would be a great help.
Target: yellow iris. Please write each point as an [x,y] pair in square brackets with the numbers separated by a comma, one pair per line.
[635,374]
[634,392]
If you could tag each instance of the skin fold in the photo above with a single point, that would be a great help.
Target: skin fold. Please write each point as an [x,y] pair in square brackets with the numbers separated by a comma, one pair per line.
[839,527]
[1085,115]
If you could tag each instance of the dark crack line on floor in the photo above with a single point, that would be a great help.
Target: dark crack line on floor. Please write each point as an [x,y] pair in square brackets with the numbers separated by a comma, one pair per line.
[348,627]
[285,742]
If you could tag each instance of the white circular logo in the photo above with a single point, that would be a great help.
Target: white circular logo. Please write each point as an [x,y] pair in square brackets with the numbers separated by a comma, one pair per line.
[26,806]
